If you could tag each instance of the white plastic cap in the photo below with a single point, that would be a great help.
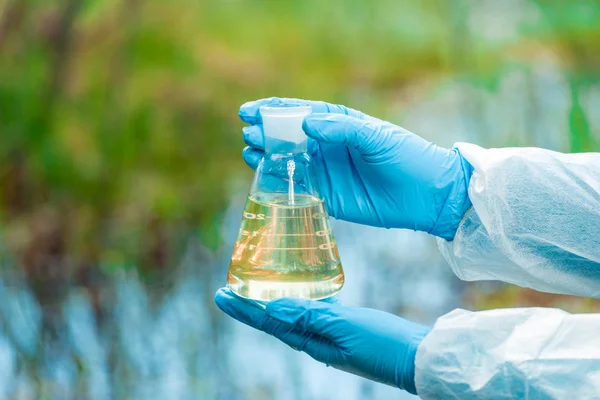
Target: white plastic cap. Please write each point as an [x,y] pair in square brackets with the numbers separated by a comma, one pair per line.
[284,123]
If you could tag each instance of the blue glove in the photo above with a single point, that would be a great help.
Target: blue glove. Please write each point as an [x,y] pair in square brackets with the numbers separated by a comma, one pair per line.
[369,343]
[373,172]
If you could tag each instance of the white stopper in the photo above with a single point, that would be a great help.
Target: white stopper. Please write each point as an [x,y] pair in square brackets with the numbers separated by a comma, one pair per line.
[284,122]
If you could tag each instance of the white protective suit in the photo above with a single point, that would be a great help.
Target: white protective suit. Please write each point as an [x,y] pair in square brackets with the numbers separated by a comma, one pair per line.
[535,222]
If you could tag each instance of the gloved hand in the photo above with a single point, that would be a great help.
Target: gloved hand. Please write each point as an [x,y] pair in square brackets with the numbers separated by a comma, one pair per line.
[373,172]
[369,343]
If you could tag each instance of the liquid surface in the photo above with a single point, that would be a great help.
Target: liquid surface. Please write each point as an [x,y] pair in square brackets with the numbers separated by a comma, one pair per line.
[285,250]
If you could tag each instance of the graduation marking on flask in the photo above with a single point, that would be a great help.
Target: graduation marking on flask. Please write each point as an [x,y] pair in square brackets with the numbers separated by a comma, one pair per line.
[281,242]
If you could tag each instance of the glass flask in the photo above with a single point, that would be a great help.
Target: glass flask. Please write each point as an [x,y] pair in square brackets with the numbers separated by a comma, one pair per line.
[285,246]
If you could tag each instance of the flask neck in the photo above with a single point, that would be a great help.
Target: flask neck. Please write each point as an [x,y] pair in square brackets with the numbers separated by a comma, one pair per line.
[289,173]
[279,146]
[278,159]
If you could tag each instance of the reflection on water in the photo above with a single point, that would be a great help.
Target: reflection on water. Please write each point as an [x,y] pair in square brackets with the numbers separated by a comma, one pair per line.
[163,342]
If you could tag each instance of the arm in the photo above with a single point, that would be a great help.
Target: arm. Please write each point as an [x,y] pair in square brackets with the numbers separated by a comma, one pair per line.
[535,215]
[526,353]
[535,220]
[531,353]
[362,341]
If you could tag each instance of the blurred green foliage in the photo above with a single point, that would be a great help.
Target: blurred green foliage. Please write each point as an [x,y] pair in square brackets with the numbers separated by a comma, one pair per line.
[118,119]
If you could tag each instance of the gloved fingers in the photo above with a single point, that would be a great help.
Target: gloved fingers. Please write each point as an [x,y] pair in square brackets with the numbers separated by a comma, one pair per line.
[318,347]
[248,312]
[297,339]
[253,136]
[252,156]
[250,111]
[253,315]
[361,134]
[245,311]
[332,300]
[319,317]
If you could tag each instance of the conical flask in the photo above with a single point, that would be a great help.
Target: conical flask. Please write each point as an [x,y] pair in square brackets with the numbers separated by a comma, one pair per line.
[285,246]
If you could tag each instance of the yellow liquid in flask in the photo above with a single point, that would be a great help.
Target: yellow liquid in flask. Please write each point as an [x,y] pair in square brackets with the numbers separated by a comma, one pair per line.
[285,249]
